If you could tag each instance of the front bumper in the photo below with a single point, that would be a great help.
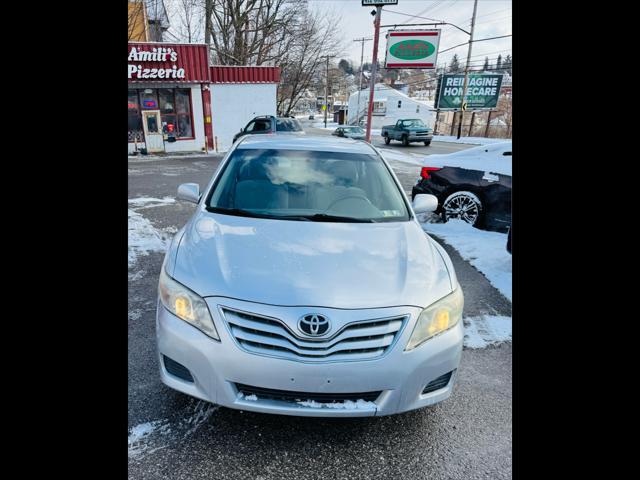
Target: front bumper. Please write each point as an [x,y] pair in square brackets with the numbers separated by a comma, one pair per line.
[217,367]
[420,138]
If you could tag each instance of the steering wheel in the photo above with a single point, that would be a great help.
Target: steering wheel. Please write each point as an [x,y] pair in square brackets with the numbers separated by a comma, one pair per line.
[359,197]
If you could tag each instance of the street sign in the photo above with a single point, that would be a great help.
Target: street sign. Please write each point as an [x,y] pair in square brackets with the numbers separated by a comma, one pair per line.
[464,106]
[412,48]
[324,107]
[375,3]
[483,91]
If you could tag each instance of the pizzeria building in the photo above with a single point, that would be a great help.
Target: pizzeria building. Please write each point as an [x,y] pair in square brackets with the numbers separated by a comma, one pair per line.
[171,90]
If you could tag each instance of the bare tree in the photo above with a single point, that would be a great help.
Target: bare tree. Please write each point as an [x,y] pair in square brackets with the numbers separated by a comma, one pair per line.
[310,39]
[247,32]
[188,17]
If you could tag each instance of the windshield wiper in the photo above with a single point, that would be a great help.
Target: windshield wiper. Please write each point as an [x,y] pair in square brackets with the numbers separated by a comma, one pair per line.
[324,217]
[246,213]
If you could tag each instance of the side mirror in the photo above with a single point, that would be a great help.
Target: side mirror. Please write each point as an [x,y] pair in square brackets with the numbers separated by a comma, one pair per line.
[425,202]
[189,192]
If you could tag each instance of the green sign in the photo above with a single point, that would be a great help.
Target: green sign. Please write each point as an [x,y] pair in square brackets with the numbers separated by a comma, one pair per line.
[483,91]
[412,49]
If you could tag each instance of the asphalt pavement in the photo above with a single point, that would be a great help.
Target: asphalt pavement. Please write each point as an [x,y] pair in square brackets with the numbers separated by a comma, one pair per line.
[173,436]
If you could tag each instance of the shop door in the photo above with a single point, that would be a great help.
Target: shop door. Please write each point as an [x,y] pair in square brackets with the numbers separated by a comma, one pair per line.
[152,131]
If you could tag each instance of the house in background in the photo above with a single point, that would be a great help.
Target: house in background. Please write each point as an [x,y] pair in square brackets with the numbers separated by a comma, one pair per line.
[389,105]
[147,20]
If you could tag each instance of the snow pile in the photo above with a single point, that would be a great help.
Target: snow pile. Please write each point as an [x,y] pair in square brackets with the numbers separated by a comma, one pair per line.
[485,330]
[149,202]
[486,251]
[251,398]
[143,236]
[471,140]
[346,405]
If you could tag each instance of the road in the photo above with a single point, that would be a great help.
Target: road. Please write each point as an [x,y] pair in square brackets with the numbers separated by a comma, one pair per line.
[466,437]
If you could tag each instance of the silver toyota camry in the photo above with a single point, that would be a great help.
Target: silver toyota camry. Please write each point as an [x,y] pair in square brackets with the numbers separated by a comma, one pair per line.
[304,285]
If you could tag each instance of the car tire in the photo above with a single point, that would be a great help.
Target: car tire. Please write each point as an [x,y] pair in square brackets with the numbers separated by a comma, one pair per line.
[405,140]
[387,140]
[426,144]
[464,205]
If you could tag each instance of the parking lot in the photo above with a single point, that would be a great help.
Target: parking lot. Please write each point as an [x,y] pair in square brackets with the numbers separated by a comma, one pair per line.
[172,436]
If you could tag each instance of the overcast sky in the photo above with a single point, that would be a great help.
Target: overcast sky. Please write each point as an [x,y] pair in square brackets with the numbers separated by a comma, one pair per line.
[492,19]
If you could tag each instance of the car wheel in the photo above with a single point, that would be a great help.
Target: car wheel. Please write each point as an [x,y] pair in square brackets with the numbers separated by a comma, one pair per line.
[426,144]
[387,140]
[405,140]
[463,205]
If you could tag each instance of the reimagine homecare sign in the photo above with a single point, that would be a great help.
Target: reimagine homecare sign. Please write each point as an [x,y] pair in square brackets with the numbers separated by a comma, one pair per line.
[483,91]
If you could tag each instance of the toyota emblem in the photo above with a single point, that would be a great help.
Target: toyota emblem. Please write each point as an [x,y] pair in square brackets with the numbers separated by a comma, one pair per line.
[314,324]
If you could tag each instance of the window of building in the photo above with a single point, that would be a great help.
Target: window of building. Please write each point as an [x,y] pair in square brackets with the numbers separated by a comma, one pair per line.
[135,118]
[174,105]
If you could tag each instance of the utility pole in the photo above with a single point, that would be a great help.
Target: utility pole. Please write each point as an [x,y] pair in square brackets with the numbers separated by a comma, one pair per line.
[466,68]
[208,9]
[361,40]
[374,70]
[326,95]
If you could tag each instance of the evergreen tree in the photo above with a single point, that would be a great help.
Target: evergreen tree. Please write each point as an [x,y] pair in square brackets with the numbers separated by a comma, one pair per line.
[454,65]
[499,63]
[507,64]
[345,66]
[486,64]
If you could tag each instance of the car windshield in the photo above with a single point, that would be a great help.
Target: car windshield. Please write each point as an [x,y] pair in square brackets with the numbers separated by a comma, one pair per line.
[288,125]
[307,185]
[353,130]
[413,123]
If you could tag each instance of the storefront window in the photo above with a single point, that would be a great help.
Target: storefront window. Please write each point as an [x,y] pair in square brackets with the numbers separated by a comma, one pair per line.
[167,103]
[184,126]
[174,106]
[149,99]
[135,120]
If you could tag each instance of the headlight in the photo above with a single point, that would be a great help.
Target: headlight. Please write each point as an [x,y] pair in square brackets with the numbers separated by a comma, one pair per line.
[439,317]
[185,304]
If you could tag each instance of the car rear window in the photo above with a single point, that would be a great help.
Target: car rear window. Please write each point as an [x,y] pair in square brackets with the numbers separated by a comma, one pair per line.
[288,125]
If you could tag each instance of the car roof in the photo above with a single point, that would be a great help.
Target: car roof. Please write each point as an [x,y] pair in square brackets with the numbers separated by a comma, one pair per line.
[307,142]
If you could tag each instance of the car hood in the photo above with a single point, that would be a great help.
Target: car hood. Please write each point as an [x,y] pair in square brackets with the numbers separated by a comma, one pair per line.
[337,265]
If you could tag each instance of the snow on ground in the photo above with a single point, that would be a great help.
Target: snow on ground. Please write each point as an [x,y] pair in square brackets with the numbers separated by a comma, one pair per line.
[140,436]
[330,125]
[346,405]
[479,332]
[143,236]
[471,140]
[406,157]
[148,437]
[486,251]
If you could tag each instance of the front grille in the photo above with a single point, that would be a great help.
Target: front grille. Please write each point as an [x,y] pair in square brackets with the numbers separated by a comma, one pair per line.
[289,396]
[363,340]
[438,383]
[177,369]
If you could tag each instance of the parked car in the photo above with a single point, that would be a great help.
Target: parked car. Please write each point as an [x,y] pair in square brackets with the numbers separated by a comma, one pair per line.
[407,131]
[303,284]
[473,185]
[354,132]
[311,117]
[270,124]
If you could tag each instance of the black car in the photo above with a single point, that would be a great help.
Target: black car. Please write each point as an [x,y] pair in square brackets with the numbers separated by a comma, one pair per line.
[270,124]
[471,185]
